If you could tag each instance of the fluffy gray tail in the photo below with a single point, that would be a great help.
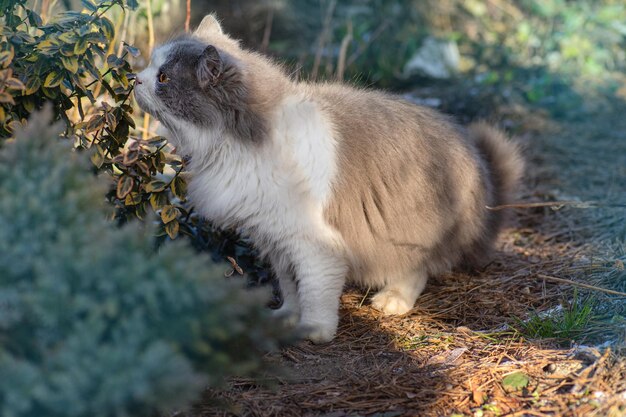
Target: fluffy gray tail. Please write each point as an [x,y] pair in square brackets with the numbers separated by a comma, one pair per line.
[504,161]
[505,168]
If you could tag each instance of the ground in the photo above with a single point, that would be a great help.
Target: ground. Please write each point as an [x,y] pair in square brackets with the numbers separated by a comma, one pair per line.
[464,349]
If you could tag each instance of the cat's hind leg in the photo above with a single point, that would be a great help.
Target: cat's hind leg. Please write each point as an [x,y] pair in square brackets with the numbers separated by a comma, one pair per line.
[399,294]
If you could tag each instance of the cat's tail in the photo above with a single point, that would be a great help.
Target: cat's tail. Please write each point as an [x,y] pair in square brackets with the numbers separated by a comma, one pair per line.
[504,161]
[505,167]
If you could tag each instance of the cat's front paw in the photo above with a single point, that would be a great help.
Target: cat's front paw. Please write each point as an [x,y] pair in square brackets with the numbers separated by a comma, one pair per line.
[391,302]
[317,332]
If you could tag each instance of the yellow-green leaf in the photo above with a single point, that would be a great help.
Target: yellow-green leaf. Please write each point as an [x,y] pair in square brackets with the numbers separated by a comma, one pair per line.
[29,104]
[179,187]
[141,210]
[53,79]
[124,186]
[46,44]
[70,63]
[132,199]
[6,57]
[169,213]
[155,186]
[80,47]
[107,28]
[97,159]
[96,122]
[68,37]
[49,92]
[171,229]
[2,114]
[158,201]
[32,85]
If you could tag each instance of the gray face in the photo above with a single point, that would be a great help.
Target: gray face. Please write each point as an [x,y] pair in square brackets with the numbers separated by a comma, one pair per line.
[189,81]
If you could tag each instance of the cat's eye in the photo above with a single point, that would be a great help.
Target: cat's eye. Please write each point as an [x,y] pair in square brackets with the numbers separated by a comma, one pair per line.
[163,78]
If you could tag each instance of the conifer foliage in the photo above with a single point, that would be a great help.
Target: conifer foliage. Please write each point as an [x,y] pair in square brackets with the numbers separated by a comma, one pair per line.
[94,320]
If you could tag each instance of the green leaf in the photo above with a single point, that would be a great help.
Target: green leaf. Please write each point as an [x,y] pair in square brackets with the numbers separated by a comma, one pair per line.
[124,186]
[53,79]
[108,30]
[97,159]
[96,122]
[179,188]
[51,93]
[81,46]
[157,141]
[169,213]
[155,186]
[172,229]
[132,50]
[158,201]
[68,37]
[33,18]
[132,199]
[6,57]
[89,5]
[70,64]
[114,61]
[515,381]
[32,85]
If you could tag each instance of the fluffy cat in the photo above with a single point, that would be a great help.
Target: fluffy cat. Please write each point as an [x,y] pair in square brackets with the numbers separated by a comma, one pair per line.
[329,181]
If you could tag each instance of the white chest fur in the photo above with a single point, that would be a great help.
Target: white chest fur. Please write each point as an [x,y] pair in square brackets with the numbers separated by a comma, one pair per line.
[273,189]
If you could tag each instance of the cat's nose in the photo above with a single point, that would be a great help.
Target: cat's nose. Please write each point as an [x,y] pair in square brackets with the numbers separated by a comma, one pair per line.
[138,80]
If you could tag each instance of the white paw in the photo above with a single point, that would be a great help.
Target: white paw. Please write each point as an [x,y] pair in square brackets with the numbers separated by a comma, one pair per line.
[391,302]
[318,332]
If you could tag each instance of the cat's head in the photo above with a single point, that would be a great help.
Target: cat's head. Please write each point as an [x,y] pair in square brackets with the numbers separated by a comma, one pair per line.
[198,84]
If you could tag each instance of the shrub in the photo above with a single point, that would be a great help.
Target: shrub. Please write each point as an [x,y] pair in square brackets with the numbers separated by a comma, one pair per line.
[94,321]
[72,62]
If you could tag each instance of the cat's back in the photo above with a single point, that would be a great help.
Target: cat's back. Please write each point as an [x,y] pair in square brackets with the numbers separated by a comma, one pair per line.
[377,123]
[378,131]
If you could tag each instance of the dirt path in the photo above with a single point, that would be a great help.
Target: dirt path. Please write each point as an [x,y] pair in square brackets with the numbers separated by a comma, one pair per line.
[453,353]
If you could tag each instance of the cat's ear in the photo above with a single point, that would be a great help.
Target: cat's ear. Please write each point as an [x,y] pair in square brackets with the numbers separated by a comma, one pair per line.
[210,67]
[209,26]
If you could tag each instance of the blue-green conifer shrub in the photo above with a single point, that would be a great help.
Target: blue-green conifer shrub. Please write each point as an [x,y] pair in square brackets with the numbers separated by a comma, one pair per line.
[94,320]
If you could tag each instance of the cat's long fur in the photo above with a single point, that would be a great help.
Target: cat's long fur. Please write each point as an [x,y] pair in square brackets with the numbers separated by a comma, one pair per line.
[331,182]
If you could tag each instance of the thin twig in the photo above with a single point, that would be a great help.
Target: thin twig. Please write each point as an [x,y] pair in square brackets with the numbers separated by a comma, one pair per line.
[364,297]
[188,17]
[345,43]
[321,43]
[267,32]
[557,205]
[150,25]
[580,284]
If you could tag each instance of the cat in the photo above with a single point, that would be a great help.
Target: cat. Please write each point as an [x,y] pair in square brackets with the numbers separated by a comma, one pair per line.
[331,182]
